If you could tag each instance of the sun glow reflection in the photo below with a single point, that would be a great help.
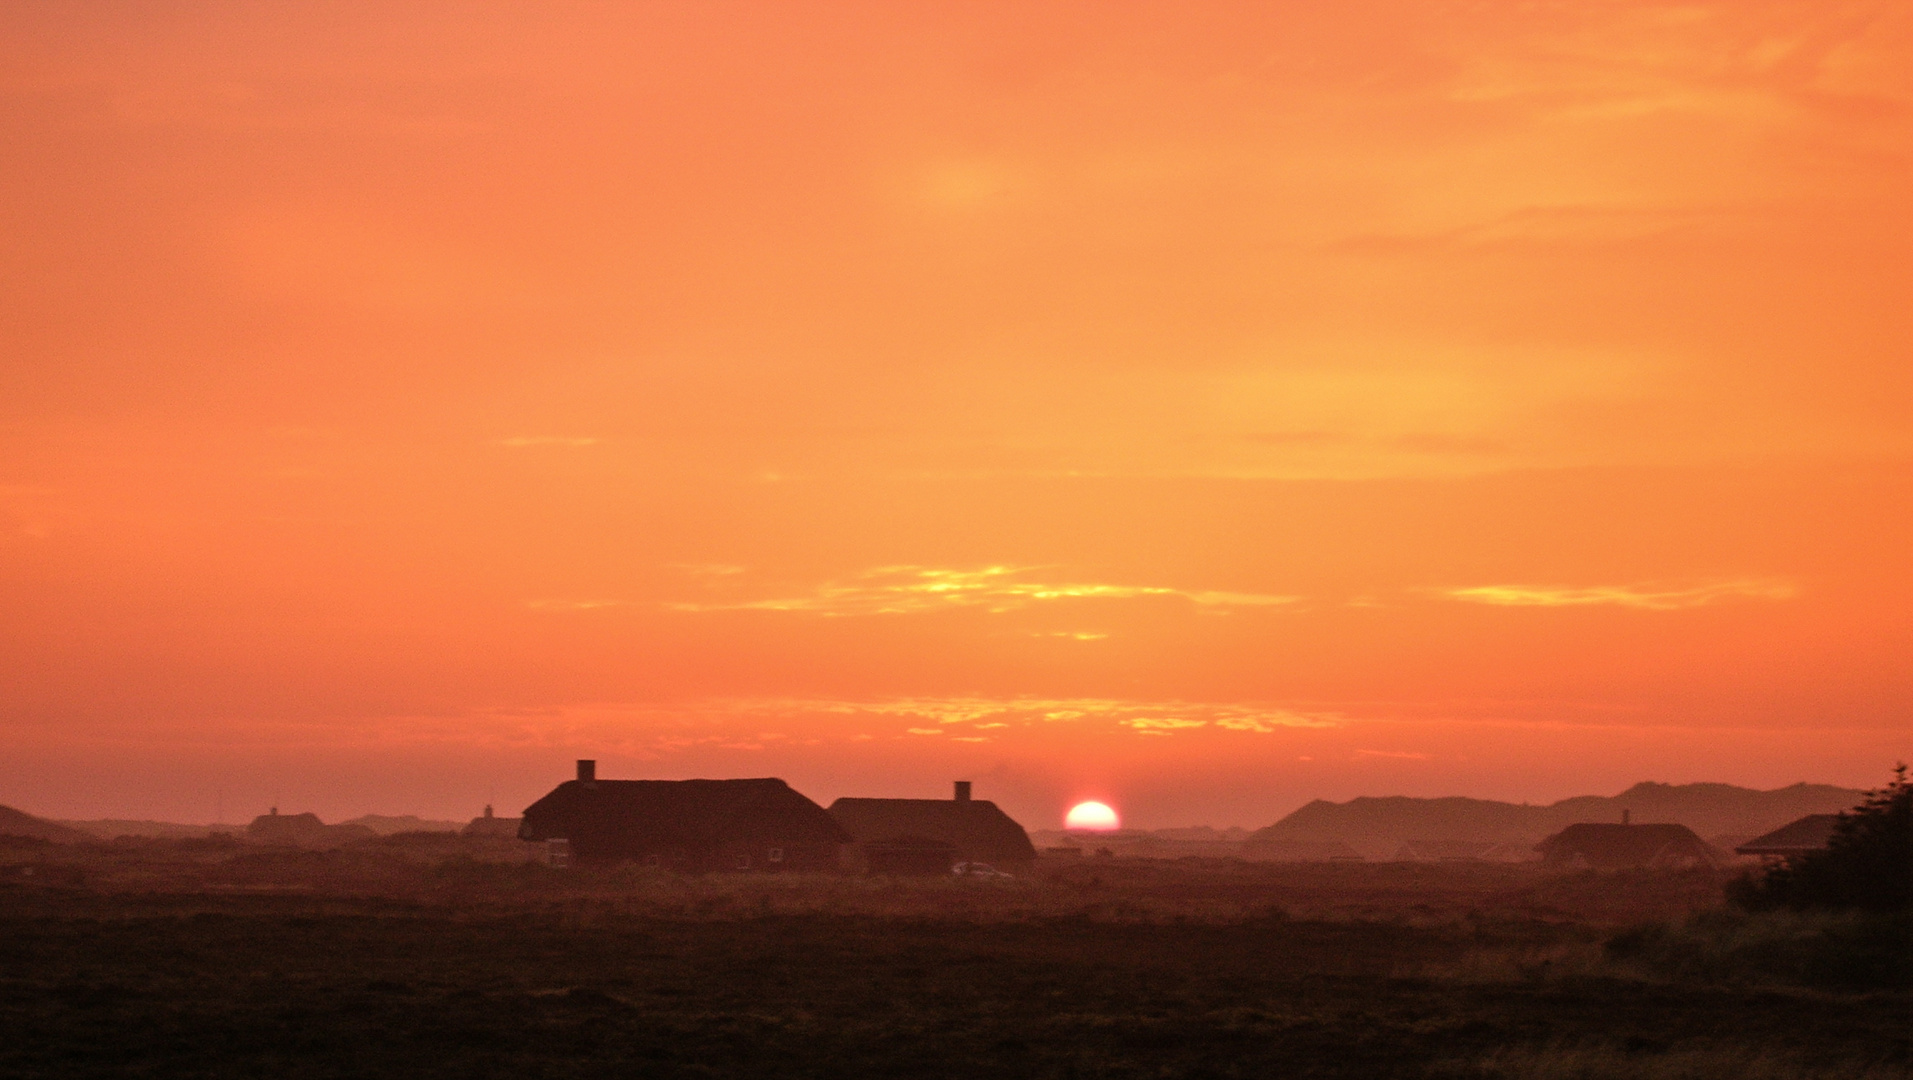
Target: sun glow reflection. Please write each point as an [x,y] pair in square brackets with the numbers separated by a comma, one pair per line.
[1091,815]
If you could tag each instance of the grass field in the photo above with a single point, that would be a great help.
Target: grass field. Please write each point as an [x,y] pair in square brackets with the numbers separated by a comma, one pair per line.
[150,960]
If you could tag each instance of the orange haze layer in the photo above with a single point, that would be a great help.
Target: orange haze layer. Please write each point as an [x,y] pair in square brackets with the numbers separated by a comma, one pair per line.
[1205,408]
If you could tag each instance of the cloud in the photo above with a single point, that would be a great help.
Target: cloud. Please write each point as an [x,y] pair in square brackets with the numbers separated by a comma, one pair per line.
[1151,725]
[574,605]
[898,590]
[1405,755]
[1647,597]
[1137,717]
[1243,723]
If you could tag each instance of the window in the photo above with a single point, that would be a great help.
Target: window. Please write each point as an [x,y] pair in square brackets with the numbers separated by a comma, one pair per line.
[743,862]
[776,855]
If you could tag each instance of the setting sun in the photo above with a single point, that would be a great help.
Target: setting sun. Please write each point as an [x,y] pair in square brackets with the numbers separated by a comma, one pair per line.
[1231,407]
[1091,815]
[672,496]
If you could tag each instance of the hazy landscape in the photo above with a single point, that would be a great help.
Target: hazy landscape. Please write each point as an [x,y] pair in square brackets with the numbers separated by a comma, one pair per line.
[1065,539]
[423,951]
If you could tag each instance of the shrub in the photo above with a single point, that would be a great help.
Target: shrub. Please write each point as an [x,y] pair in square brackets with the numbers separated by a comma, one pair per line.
[1868,863]
[1854,949]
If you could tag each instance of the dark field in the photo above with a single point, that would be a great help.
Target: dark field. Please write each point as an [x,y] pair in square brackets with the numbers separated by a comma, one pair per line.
[158,960]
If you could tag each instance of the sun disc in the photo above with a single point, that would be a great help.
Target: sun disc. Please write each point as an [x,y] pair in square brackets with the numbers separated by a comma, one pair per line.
[1091,815]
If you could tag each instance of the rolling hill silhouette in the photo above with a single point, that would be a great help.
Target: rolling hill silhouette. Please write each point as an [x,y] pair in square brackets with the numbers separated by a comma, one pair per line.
[20,823]
[1378,826]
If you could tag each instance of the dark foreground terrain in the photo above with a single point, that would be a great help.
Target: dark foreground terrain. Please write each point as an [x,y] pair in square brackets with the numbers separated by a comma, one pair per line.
[145,963]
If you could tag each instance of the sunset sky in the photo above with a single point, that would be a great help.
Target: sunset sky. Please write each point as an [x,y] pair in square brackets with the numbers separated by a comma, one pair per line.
[1202,408]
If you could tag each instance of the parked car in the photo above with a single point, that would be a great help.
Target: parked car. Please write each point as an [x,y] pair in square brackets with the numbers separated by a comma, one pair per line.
[978,870]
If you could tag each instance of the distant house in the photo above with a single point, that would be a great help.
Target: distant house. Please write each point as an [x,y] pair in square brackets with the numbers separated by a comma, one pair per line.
[689,825]
[910,855]
[974,830]
[486,826]
[302,830]
[1810,833]
[1614,847]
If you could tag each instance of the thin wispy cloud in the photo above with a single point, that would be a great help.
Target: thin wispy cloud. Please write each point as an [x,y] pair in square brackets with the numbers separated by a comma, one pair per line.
[657,730]
[899,590]
[1645,597]
[1162,725]
[574,605]
[989,717]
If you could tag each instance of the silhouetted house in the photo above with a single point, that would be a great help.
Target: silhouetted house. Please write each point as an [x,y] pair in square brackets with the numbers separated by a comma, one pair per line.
[1602,846]
[302,830]
[690,825]
[909,855]
[1810,833]
[974,829]
[494,828]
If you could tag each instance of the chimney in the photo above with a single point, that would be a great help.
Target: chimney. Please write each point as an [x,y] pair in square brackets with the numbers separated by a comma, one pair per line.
[1624,816]
[963,791]
[488,809]
[587,769]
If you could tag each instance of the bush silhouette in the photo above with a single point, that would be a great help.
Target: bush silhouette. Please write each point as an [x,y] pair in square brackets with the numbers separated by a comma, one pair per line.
[1868,863]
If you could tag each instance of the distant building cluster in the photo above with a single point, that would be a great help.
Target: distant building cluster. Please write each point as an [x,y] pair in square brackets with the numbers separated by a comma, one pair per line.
[765,825]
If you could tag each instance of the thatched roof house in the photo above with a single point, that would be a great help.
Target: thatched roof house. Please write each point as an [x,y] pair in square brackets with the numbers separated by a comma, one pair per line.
[1810,833]
[1614,847]
[487,826]
[919,856]
[975,829]
[303,830]
[691,825]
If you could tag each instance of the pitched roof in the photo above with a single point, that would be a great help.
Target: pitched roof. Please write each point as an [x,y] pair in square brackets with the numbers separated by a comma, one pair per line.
[1609,846]
[675,813]
[275,825]
[1810,833]
[974,826]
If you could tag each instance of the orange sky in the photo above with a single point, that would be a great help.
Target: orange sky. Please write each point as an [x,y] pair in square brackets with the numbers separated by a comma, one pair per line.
[1201,408]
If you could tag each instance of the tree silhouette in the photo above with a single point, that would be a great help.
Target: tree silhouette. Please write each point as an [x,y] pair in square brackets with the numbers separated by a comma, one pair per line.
[1867,864]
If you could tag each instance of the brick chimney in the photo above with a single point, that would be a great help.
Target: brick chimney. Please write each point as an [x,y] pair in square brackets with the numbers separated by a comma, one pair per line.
[587,770]
[963,791]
